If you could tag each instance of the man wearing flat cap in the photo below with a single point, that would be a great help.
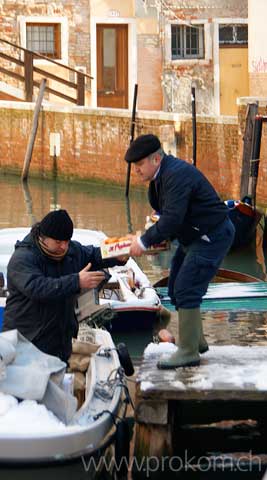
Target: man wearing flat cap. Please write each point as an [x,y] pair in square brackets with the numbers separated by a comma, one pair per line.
[44,276]
[192,213]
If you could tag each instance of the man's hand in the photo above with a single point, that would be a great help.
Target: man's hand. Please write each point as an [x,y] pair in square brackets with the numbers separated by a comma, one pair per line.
[90,279]
[135,249]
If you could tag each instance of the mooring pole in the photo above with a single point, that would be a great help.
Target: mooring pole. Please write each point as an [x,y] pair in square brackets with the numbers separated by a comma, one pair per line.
[28,155]
[255,157]
[252,110]
[194,125]
[128,176]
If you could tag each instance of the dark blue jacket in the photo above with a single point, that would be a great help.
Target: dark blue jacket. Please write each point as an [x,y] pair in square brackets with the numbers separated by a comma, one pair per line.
[43,292]
[189,206]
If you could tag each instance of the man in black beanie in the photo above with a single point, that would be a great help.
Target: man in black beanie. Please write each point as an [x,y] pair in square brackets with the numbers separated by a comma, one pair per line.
[44,276]
[192,213]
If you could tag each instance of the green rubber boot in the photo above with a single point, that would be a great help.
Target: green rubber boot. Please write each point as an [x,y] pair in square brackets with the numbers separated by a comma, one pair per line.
[203,345]
[187,354]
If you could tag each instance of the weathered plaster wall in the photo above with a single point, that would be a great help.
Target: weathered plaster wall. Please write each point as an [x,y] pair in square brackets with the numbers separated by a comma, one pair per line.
[77,38]
[94,141]
[180,75]
[77,13]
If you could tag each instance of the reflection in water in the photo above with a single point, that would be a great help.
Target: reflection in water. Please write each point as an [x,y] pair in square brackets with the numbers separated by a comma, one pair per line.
[103,207]
[28,201]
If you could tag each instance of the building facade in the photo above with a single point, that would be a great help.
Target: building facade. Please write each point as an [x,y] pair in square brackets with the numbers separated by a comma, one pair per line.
[164,46]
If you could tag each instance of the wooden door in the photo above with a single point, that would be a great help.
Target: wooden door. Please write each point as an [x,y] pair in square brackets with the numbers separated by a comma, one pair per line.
[233,78]
[112,66]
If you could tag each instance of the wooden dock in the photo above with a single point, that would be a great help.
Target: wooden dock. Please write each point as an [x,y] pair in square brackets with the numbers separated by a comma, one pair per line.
[202,410]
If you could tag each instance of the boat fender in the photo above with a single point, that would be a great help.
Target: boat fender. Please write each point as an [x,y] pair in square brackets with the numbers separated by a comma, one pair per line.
[122,449]
[125,359]
[165,336]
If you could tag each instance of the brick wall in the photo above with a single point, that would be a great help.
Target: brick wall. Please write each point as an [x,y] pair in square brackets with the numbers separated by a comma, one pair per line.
[93,143]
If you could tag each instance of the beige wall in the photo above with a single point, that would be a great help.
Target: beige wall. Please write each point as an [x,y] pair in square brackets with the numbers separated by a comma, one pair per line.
[100,8]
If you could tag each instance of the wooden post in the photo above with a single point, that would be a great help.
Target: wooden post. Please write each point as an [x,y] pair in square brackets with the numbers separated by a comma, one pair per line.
[194,125]
[255,158]
[80,89]
[28,155]
[252,110]
[28,75]
[131,139]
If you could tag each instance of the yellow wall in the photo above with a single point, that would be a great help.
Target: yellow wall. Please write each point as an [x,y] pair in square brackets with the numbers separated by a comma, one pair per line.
[233,78]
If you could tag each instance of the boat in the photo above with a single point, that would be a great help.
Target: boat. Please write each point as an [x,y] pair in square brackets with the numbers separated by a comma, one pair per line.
[229,290]
[223,275]
[128,302]
[245,219]
[94,426]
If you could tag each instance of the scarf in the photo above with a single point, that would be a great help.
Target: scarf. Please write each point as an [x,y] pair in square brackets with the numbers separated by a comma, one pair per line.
[55,256]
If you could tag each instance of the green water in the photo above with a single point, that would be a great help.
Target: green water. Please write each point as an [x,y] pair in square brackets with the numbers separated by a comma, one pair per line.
[103,207]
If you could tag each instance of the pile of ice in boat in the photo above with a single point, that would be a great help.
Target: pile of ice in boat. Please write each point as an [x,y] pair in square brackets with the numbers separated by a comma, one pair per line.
[31,388]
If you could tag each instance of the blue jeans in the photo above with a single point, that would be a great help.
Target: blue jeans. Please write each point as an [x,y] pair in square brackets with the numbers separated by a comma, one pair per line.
[194,266]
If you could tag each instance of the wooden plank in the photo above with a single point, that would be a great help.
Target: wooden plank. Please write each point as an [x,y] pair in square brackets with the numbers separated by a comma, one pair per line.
[80,89]
[28,73]
[28,154]
[225,373]
[252,110]
[152,442]
[56,92]
[12,74]
[54,77]
[38,55]
[11,59]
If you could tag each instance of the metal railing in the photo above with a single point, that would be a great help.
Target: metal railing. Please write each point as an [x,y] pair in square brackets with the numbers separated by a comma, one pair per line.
[29,69]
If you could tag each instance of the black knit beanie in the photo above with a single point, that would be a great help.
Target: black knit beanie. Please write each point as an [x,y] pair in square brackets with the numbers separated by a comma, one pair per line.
[57,225]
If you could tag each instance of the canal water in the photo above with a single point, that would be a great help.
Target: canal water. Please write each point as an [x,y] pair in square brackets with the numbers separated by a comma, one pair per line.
[104,207]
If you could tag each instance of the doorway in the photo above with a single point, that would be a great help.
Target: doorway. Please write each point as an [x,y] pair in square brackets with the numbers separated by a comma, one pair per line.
[112,65]
[234,81]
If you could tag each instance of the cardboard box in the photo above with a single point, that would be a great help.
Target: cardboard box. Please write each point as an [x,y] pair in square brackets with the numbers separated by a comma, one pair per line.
[160,247]
[115,249]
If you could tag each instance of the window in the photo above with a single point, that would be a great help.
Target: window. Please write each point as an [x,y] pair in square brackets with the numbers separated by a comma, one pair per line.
[233,34]
[187,42]
[44,39]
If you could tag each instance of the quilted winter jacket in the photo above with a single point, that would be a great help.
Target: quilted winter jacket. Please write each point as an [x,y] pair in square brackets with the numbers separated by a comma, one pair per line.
[42,294]
[189,206]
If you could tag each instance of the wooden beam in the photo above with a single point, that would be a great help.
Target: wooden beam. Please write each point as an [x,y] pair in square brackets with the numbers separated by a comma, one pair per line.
[56,92]
[55,77]
[28,72]
[80,89]
[31,141]
[12,74]
[252,110]
[11,59]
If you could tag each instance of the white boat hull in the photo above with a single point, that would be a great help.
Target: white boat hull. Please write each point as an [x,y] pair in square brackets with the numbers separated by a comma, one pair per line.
[75,440]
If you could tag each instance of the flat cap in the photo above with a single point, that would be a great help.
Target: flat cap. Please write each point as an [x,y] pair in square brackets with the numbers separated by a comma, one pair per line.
[141,147]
